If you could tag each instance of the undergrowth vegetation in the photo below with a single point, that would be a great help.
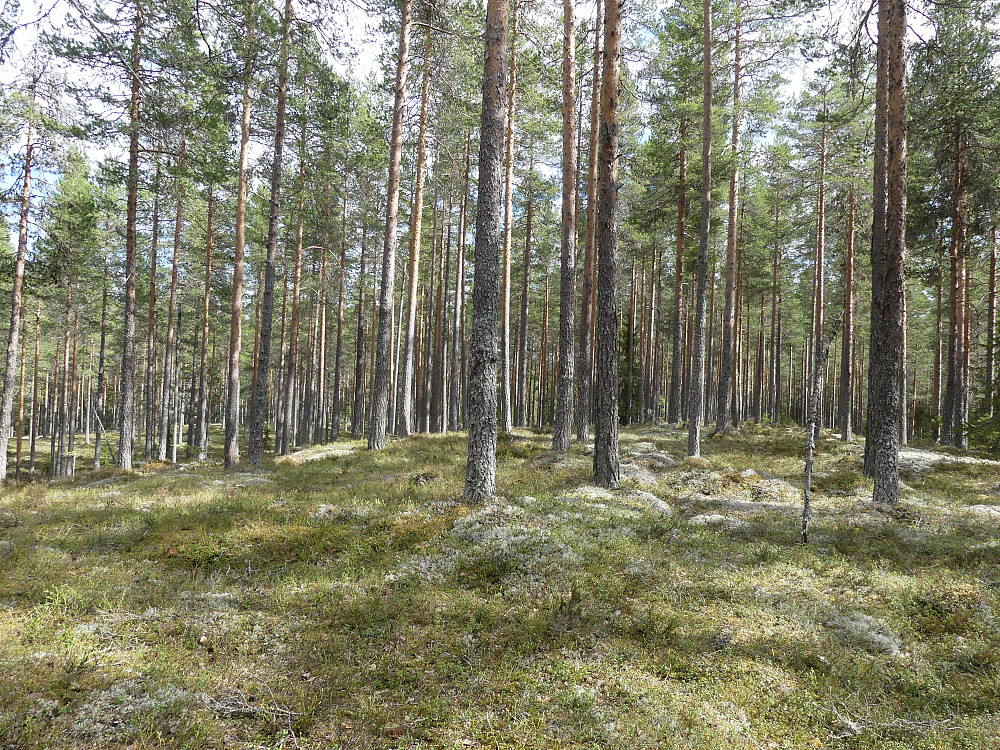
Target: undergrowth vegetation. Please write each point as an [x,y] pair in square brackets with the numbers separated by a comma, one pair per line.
[354,602]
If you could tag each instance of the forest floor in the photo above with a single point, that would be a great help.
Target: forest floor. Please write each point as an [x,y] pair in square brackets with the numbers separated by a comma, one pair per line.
[352,601]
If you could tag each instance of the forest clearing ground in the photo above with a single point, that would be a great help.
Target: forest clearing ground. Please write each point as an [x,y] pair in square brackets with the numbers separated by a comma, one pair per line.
[353,601]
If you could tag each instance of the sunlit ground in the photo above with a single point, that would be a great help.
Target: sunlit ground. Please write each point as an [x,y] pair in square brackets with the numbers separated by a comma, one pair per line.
[354,602]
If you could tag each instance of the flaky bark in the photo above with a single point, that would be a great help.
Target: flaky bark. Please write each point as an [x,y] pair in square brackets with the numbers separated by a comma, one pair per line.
[383,339]
[585,364]
[888,280]
[480,472]
[607,470]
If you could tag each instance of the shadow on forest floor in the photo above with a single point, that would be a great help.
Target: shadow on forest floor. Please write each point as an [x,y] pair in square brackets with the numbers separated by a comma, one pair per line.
[354,602]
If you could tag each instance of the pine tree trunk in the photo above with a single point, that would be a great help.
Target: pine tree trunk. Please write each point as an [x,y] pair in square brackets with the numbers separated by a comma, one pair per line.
[676,359]
[203,384]
[288,439]
[696,392]
[607,469]
[357,409]
[991,316]
[563,422]
[405,423]
[231,448]
[262,365]
[481,413]
[339,348]
[458,314]
[888,277]
[149,387]
[16,298]
[726,373]
[952,426]
[520,381]
[506,415]
[34,381]
[819,301]
[383,339]
[126,392]
[168,352]
[585,364]
[847,345]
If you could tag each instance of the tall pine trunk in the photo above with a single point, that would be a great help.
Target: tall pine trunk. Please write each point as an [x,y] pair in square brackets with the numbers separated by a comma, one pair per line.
[383,339]
[888,252]
[231,448]
[126,390]
[585,364]
[563,423]
[726,364]
[481,413]
[696,391]
[607,470]
[404,418]
[258,409]
[16,298]
[169,360]
[506,415]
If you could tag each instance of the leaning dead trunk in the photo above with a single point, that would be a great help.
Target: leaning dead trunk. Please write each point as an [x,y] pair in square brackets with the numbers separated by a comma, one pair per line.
[815,405]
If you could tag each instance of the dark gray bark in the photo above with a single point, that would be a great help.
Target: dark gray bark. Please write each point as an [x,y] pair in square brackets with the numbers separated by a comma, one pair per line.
[481,414]
[607,470]
[888,280]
